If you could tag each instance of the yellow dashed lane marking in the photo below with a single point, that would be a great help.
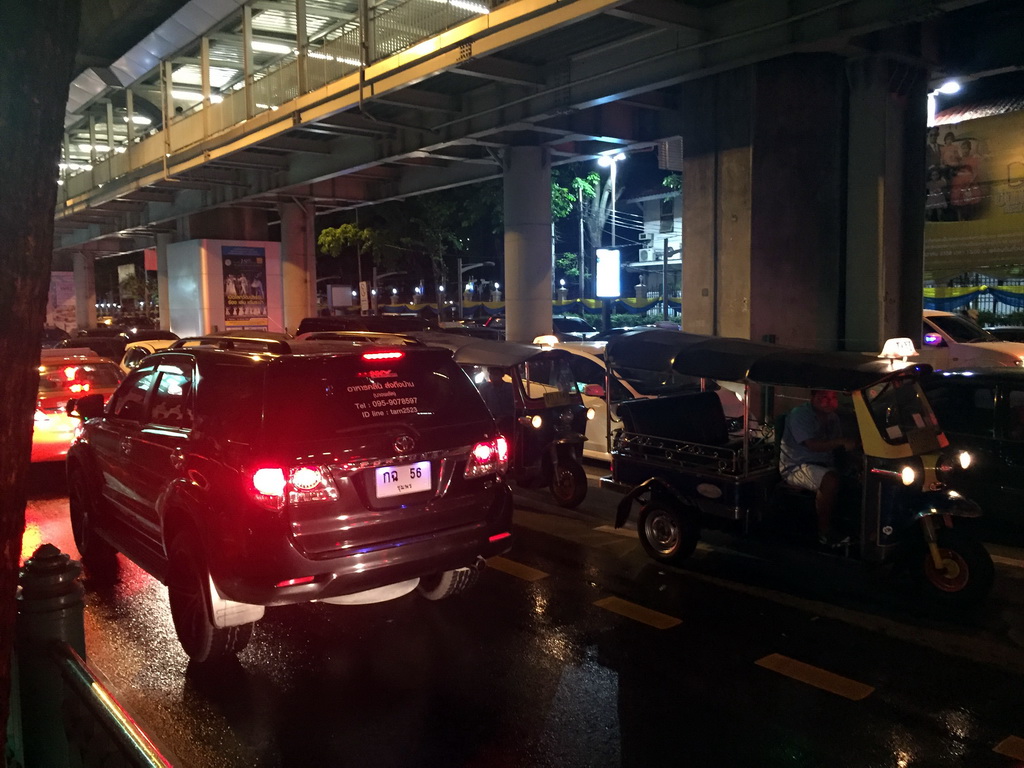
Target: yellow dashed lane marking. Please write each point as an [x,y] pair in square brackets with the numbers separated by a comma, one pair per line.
[512,568]
[1012,747]
[819,678]
[1011,561]
[638,613]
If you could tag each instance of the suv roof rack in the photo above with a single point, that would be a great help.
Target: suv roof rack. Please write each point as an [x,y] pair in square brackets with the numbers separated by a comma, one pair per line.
[376,337]
[273,346]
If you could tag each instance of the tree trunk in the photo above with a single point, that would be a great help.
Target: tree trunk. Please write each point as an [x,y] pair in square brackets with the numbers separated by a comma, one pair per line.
[37,50]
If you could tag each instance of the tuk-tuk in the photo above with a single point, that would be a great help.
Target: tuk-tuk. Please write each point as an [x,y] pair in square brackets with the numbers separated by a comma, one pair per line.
[676,456]
[532,394]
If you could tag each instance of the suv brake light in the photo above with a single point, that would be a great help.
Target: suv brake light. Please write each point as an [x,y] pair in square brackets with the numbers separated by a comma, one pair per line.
[488,457]
[271,487]
[383,355]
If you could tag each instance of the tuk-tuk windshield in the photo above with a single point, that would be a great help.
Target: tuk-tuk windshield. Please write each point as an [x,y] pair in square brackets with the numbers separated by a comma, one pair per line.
[901,411]
[549,378]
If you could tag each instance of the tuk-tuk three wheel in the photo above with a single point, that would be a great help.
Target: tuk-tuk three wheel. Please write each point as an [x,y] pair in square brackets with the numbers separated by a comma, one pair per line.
[957,576]
[668,528]
[568,483]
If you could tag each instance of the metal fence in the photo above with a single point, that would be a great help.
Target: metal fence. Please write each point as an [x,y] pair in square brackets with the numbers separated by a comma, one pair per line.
[62,716]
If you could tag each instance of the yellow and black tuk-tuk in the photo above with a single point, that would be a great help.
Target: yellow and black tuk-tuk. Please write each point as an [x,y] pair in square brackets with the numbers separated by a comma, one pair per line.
[676,457]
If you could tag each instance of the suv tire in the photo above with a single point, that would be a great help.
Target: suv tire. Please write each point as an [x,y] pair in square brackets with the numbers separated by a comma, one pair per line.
[98,557]
[188,590]
[448,584]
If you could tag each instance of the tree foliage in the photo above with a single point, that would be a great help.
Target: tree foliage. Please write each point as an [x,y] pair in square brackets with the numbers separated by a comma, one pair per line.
[37,49]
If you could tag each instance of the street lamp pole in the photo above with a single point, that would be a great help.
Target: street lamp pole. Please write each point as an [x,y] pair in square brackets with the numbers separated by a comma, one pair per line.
[612,161]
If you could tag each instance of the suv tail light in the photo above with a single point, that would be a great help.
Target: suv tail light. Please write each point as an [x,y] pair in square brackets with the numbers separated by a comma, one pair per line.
[489,457]
[272,487]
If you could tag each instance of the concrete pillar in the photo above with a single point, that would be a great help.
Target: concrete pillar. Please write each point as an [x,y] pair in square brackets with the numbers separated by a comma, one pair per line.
[885,217]
[762,211]
[298,262]
[527,204]
[163,239]
[85,290]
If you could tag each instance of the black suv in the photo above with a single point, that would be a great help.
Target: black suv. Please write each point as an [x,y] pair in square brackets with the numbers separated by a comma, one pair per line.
[246,473]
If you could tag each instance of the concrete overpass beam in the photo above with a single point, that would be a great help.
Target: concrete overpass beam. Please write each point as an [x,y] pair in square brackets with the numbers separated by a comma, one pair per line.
[298,262]
[885,209]
[85,289]
[763,181]
[163,239]
[527,201]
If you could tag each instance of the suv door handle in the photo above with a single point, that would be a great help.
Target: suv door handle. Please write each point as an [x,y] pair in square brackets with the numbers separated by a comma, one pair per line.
[126,446]
[177,459]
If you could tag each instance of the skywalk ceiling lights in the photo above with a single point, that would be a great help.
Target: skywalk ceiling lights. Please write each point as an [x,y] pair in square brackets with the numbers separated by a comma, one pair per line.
[466,6]
[266,47]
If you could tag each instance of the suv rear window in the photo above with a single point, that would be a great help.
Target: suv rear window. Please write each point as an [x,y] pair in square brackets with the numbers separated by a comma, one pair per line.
[319,397]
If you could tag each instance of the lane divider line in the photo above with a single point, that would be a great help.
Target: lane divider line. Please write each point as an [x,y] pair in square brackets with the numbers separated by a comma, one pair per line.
[816,676]
[512,568]
[1012,747]
[638,613]
[629,533]
[1011,561]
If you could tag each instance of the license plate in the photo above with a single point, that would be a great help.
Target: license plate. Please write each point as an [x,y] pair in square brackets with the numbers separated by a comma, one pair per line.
[407,478]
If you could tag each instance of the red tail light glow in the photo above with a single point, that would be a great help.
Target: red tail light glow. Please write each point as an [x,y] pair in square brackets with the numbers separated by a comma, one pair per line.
[273,486]
[383,355]
[498,536]
[295,582]
[488,458]
[269,481]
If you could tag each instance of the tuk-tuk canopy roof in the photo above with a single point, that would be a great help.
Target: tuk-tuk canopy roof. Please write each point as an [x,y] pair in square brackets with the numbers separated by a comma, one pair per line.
[471,350]
[730,359]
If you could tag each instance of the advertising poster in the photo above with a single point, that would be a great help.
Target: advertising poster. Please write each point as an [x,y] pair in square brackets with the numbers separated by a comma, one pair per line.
[974,198]
[245,278]
[60,304]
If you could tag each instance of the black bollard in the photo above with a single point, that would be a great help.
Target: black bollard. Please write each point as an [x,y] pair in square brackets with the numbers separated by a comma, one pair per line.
[50,612]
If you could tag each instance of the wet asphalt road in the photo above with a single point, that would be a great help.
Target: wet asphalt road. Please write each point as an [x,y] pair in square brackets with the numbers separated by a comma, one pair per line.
[576,650]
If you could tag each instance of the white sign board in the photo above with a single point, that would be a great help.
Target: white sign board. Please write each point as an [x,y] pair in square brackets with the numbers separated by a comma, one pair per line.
[608,273]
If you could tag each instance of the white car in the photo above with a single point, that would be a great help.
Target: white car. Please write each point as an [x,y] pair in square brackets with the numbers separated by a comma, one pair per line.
[136,351]
[589,369]
[950,341]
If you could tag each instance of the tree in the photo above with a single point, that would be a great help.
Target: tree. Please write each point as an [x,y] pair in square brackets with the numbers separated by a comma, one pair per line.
[37,49]
[591,196]
[334,240]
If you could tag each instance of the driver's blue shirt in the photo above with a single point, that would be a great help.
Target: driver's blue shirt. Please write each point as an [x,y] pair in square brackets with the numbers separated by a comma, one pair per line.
[802,424]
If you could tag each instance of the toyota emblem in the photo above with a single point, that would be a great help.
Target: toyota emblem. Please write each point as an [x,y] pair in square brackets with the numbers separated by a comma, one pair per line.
[404,444]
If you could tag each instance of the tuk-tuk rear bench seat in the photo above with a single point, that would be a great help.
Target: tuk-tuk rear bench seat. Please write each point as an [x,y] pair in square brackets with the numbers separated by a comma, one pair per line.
[688,430]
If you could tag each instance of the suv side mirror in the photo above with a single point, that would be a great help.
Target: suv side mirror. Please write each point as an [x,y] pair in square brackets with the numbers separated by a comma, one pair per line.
[593,390]
[88,407]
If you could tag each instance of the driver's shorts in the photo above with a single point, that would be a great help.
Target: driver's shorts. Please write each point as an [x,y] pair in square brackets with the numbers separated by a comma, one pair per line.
[808,476]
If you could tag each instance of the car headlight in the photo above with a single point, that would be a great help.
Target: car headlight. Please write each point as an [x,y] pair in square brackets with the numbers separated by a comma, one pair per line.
[590,414]
[964,458]
[536,422]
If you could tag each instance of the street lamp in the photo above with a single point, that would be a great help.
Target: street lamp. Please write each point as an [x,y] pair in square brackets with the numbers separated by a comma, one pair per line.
[948,87]
[612,161]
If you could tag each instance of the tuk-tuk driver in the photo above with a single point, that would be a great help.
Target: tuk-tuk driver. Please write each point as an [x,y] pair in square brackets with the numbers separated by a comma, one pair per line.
[497,395]
[807,460]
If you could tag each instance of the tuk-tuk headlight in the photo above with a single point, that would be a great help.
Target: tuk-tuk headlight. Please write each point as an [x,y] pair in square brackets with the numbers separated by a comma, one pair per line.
[536,422]
[908,475]
[953,461]
[590,414]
